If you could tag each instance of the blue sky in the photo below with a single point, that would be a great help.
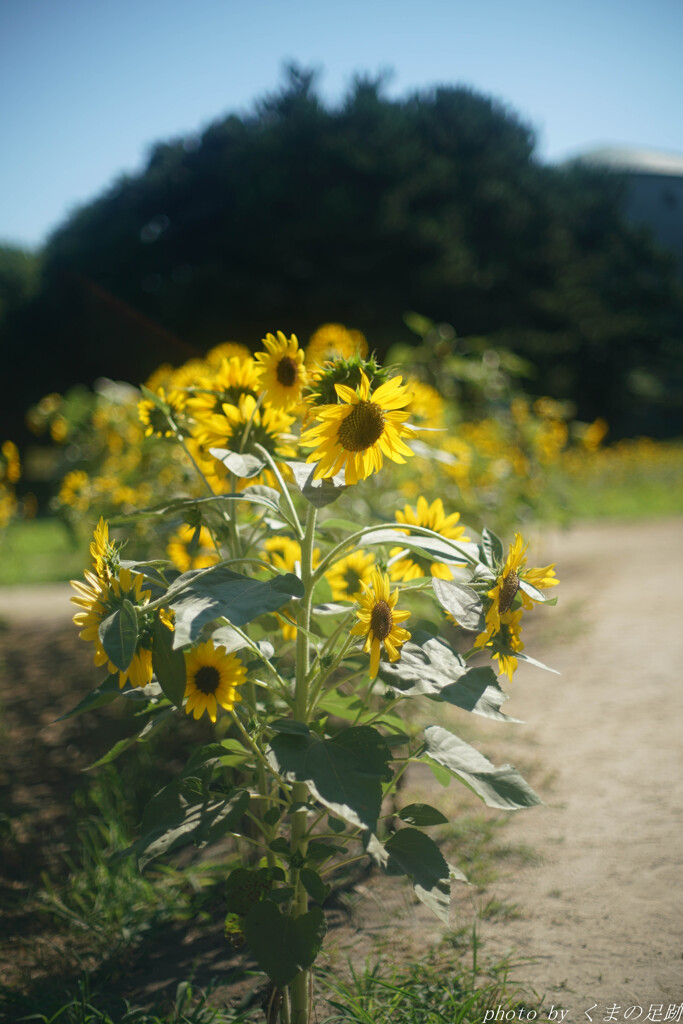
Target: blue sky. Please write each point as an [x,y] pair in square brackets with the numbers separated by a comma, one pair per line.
[86,86]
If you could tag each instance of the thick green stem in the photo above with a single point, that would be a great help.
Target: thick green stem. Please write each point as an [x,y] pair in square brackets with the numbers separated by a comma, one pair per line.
[299,987]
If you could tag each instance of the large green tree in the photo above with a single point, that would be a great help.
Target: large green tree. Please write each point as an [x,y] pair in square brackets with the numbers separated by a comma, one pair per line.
[298,213]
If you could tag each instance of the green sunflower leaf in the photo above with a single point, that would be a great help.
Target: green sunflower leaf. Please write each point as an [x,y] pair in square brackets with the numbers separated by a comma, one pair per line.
[318,492]
[414,853]
[283,945]
[500,787]
[313,884]
[168,663]
[439,549]
[202,595]
[242,465]
[345,773]
[103,694]
[429,666]
[179,814]
[422,815]
[463,603]
[119,635]
[491,548]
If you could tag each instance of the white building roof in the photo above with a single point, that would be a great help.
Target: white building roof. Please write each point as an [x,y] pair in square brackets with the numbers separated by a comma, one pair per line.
[634,159]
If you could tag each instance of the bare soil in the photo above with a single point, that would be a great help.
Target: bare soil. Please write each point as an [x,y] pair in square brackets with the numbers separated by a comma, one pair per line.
[590,905]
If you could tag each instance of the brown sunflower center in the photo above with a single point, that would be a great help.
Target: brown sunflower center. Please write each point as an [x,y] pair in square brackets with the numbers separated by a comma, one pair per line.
[508,591]
[362,427]
[207,679]
[286,372]
[381,620]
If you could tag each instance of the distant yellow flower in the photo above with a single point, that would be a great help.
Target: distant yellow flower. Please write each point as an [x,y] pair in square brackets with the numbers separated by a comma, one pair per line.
[10,464]
[236,376]
[357,434]
[281,371]
[202,555]
[412,567]
[379,621]
[212,678]
[427,406]
[154,417]
[334,341]
[75,490]
[226,350]
[347,576]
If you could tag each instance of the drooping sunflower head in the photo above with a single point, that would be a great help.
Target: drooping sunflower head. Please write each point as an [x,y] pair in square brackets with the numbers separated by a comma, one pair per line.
[281,370]
[334,341]
[379,620]
[356,434]
[212,678]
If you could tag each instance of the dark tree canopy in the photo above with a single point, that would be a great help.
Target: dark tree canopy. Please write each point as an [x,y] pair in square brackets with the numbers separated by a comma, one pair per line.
[298,213]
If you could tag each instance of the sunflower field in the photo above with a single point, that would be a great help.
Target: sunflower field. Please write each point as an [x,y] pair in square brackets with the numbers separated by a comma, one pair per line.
[279,551]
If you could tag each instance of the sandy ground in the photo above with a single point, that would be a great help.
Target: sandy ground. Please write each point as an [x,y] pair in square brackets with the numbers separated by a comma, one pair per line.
[601,915]
[597,914]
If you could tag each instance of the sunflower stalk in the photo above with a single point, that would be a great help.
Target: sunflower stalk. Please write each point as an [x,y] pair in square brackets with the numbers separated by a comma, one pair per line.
[299,987]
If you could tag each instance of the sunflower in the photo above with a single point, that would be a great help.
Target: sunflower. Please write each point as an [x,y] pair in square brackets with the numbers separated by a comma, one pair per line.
[347,576]
[10,463]
[155,417]
[332,341]
[192,549]
[104,553]
[426,406]
[239,427]
[379,621]
[212,678]
[235,377]
[281,370]
[358,434]
[509,584]
[506,643]
[99,599]
[434,518]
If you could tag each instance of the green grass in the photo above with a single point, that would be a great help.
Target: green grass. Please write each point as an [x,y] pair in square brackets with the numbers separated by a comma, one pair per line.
[441,988]
[636,498]
[40,551]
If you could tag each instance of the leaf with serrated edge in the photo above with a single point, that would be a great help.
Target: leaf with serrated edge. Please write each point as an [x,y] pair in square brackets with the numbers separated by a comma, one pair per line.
[282,945]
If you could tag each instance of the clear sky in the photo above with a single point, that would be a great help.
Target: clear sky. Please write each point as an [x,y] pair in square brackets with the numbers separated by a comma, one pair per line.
[86,86]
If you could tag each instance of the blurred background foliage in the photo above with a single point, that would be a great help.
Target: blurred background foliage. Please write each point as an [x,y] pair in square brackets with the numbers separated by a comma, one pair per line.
[297,213]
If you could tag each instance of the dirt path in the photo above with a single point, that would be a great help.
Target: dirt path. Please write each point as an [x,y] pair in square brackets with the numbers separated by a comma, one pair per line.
[599,911]
[601,914]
